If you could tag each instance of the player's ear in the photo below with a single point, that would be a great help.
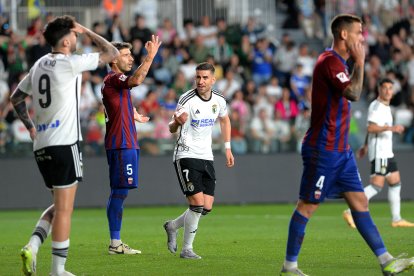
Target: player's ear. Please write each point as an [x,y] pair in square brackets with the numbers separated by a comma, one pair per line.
[343,34]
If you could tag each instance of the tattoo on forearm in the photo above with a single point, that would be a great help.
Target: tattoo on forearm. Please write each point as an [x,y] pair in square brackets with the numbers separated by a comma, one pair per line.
[101,43]
[354,90]
[19,104]
[142,71]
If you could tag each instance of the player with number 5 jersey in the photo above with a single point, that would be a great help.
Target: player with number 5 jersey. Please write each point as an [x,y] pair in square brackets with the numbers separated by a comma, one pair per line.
[121,141]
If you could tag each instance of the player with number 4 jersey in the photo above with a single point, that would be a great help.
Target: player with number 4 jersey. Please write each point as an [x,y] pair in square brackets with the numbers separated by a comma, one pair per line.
[329,167]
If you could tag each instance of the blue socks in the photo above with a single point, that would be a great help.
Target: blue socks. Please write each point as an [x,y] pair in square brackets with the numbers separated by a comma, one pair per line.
[114,210]
[296,234]
[369,232]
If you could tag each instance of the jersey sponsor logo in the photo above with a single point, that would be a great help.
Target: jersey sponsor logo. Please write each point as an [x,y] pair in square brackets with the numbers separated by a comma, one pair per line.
[122,77]
[214,108]
[342,77]
[202,123]
[44,127]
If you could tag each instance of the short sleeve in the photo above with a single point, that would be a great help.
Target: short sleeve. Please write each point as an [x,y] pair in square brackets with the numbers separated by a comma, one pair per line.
[337,74]
[119,81]
[85,62]
[223,107]
[25,85]
[373,115]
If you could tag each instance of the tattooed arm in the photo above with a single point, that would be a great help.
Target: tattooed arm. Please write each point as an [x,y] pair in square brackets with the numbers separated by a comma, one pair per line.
[108,51]
[18,101]
[354,89]
[141,72]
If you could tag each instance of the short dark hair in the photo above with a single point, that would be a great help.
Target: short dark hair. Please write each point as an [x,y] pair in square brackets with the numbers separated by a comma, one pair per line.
[120,46]
[343,21]
[205,66]
[385,80]
[58,28]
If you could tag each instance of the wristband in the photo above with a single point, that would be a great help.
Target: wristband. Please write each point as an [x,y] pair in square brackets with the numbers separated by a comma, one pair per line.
[227,145]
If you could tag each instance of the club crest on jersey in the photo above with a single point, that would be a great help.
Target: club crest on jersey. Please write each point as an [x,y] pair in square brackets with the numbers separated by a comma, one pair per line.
[214,108]
[318,194]
[130,180]
[122,77]
[342,77]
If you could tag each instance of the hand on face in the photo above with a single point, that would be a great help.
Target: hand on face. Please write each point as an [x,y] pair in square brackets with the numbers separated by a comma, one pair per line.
[357,52]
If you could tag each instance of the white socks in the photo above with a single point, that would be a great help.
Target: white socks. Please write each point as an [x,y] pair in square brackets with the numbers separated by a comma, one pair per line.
[59,255]
[371,190]
[385,257]
[394,198]
[40,233]
[179,221]
[190,228]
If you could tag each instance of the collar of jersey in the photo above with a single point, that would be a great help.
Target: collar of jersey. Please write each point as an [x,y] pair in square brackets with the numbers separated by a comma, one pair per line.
[204,100]
[336,54]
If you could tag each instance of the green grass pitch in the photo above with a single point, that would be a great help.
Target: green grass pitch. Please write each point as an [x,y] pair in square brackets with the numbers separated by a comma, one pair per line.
[233,240]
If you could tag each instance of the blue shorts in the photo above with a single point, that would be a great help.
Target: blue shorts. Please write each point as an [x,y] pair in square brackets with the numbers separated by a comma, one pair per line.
[123,168]
[328,174]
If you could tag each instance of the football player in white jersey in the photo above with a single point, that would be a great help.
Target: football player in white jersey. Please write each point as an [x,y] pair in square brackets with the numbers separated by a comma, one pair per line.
[196,113]
[378,143]
[54,83]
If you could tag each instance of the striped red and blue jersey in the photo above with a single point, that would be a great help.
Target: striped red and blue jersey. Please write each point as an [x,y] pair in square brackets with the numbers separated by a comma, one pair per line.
[119,113]
[331,111]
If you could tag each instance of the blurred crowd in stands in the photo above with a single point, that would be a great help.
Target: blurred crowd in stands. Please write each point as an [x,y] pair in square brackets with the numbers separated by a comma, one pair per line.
[265,81]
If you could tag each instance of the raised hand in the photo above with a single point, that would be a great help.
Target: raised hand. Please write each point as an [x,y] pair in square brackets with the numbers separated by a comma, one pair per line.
[153,46]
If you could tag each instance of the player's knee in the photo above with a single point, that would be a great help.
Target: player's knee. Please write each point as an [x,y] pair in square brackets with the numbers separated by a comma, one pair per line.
[205,212]
[197,208]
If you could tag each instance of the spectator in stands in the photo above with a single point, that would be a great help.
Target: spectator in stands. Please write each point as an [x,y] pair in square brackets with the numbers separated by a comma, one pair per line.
[299,83]
[274,90]
[139,30]
[374,71]
[241,73]
[15,54]
[222,51]
[249,91]
[253,30]
[166,32]
[287,107]
[189,33]
[301,126]
[285,59]
[38,50]
[307,61]
[115,31]
[180,84]
[208,32]
[198,50]
[283,133]
[241,106]
[262,62]
[149,106]
[228,85]
[244,51]
[238,130]
[262,132]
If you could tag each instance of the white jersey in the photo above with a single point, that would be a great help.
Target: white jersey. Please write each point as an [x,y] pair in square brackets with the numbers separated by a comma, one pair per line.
[380,144]
[54,81]
[194,140]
